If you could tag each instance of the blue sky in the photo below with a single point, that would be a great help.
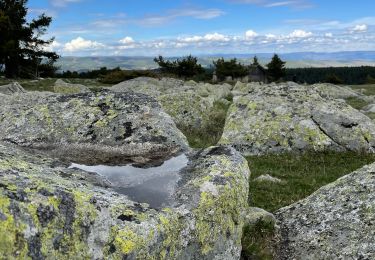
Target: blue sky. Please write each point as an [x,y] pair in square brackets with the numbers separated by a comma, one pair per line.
[181,27]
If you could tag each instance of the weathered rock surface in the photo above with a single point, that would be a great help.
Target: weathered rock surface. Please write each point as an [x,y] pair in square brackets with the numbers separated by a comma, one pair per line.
[334,91]
[267,178]
[12,88]
[257,215]
[101,127]
[188,103]
[50,212]
[336,222]
[69,88]
[290,117]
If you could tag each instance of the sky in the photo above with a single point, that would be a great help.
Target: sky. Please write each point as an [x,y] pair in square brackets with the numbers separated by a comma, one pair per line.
[183,27]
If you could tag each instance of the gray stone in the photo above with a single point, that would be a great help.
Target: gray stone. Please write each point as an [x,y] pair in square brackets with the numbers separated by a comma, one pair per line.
[101,127]
[69,88]
[267,178]
[12,88]
[257,215]
[290,117]
[336,222]
[64,214]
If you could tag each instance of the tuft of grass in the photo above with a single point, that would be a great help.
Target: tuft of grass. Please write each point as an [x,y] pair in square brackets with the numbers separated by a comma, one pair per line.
[357,103]
[257,241]
[211,133]
[301,175]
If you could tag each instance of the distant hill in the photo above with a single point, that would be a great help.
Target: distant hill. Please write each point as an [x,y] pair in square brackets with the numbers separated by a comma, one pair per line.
[294,60]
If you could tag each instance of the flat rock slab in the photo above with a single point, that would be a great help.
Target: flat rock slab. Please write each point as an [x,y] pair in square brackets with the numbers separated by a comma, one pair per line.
[50,211]
[69,88]
[12,88]
[336,222]
[291,117]
[91,128]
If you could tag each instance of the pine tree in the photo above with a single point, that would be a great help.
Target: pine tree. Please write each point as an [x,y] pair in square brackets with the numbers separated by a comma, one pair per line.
[276,68]
[255,61]
[22,50]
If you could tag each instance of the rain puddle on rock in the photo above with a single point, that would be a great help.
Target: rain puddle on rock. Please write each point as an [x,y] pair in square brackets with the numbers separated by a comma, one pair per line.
[154,185]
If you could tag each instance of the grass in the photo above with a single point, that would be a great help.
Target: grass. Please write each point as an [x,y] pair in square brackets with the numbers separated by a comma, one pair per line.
[301,175]
[368,89]
[211,133]
[257,241]
[357,103]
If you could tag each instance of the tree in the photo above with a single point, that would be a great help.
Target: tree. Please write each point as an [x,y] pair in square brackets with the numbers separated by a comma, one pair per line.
[22,50]
[186,67]
[276,68]
[230,68]
[333,79]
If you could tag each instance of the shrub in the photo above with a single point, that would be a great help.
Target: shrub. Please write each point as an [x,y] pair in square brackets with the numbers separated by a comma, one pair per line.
[118,76]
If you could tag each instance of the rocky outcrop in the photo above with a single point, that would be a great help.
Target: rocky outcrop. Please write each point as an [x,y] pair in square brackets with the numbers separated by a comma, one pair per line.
[336,222]
[68,88]
[290,117]
[334,91]
[48,210]
[12,88]
[190,103]
[102,127]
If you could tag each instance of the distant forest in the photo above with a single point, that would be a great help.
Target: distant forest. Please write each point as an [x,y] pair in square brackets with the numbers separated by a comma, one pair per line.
[345,75]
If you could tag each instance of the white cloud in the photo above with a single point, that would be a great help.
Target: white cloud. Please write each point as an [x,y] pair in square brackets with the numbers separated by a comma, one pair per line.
[250,34]
[329,35]
[54,46]
[276,3]
[127,40]
[80,44]
[211,37]
[300,34]
[360,28]
[61,3]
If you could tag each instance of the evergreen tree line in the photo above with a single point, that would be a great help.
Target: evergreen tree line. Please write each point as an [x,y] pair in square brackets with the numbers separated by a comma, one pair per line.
[336,75]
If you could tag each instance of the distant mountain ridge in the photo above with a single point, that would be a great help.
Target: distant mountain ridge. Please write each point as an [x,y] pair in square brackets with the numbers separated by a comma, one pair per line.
[294,60]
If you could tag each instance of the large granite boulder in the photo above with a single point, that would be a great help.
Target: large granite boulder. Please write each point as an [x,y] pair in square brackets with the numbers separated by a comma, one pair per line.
[189,103]
[334,91]
[336,222]
[48,211]
[102,127]
[12,88]
[290,117]
[69,88]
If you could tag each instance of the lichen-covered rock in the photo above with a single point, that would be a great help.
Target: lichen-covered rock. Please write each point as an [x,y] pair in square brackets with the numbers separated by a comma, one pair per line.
[336,222]
[50,212]
[102,127]
[69,88]
[255,216]
[188,103]
[12,88]
[291,117]
[334,91]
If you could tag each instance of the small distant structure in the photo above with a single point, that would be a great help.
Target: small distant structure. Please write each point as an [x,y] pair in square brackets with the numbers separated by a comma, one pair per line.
[257,73]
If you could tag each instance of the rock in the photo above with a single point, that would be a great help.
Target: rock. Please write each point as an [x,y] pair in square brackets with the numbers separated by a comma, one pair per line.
[100,127]
[369,108]
[334,91]
[256,215]
[189,104]
[267,178]
[68,88]
[12,88]
[336,222]
[280,118]
[48,210]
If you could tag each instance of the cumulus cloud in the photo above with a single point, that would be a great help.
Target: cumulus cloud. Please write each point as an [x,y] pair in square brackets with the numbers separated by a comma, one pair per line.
[211,37]
[250,34]
[360,28]
[80,44]
[127,40]
[54,46]
[300,34]
[329,35]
